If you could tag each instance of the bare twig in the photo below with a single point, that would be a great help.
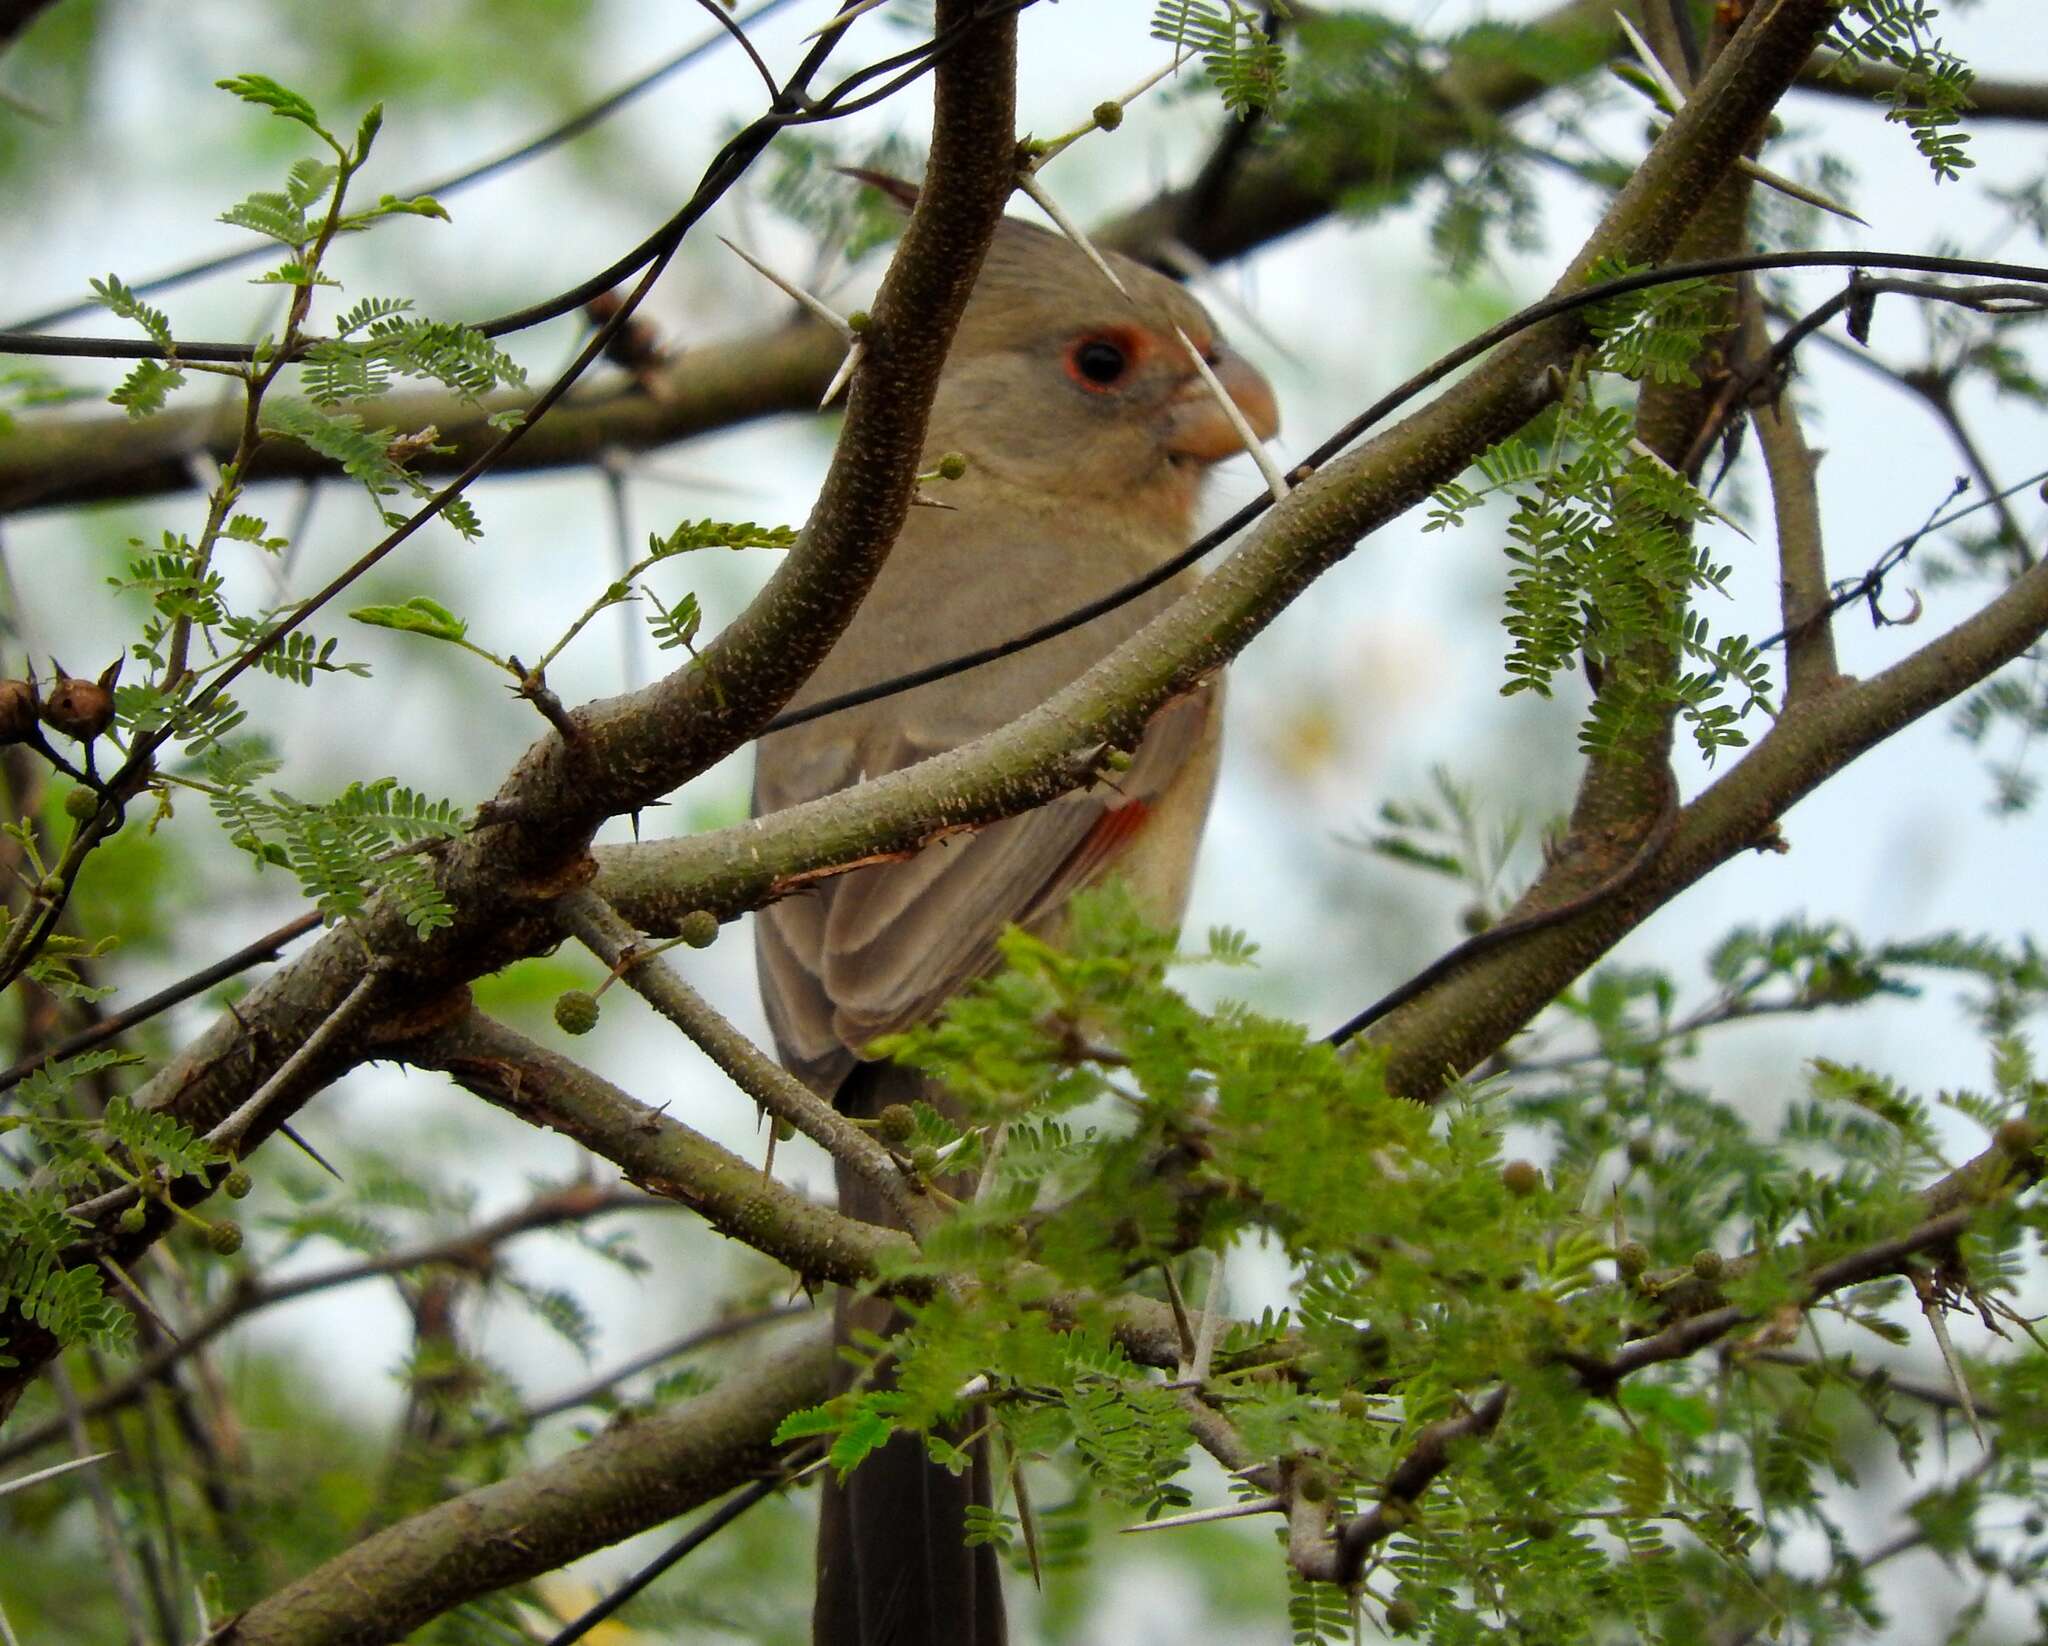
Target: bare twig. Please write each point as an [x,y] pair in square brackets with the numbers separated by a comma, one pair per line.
[474,1250]
[777,1091]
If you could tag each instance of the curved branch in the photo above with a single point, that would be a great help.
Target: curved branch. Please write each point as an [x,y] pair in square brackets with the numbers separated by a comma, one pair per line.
[657,1152]
[630,1478]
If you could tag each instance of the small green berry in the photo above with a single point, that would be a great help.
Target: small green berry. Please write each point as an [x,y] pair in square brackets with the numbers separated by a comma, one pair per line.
[2018,1137]
[859,321]
[698,928]
[225,1237]
[80,803]
[952,465]
[1403,1618]
[1315,1486]
[1109,115]
[133,1219]
[924,1160]
[1632,1257]
[895,1123]
[576,1011]
[237,1184]
[1539,1528]
[1521,1178]
[784,1131]
[1707,1264]
[1353,1404]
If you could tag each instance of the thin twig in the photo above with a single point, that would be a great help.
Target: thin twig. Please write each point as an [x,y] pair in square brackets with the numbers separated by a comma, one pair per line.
[473,1249]
[264,948]
[598,927]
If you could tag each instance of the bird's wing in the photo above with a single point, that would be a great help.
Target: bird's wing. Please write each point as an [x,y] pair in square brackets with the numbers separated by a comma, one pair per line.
[880,949]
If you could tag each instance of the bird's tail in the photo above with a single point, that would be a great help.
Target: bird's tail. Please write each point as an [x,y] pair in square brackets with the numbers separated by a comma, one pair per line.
[894,1568]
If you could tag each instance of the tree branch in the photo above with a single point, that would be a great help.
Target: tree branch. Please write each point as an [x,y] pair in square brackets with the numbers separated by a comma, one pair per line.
[474,1249]
[657,1152]
[632,1477]
[54,461]
[775,1089]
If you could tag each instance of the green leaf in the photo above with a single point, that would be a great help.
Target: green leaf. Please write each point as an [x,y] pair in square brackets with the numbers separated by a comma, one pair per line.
[266,93]
[419,615]
[148,385]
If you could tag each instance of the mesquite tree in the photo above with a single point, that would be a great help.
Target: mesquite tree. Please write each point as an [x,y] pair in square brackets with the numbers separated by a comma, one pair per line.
[1493,1300]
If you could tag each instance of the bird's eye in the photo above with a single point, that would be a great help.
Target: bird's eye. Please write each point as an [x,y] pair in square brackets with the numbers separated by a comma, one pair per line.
[1097,362]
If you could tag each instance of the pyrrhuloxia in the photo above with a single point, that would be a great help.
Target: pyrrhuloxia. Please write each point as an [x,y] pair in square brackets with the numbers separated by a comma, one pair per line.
[1086,430]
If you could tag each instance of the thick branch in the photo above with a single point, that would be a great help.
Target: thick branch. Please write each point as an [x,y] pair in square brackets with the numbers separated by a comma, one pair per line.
[1431,1041]
[633,1477]
[654,1150]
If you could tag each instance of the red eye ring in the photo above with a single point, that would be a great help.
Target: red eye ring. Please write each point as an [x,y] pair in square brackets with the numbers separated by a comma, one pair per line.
[1100,361]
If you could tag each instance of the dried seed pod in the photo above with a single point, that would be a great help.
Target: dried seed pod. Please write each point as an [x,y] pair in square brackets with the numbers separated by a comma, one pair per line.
[19,710]
[81,708]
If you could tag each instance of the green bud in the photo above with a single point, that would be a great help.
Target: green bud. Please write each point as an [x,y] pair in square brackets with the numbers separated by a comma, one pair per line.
[1707,1264]
[1315,1486]
[784,1131]
[1631,1257]
[952,465]
[895,1123]
[1521,1178]
[1539,1528]
[2018,1137]
[1353,1404]
[225,1237]
[859,321]
[1642,1151]
[924,1160]
[80,804]
[237,1184]
[576,1011]
[698,928]
[134,1218]
[1403,1618]
[1109,115]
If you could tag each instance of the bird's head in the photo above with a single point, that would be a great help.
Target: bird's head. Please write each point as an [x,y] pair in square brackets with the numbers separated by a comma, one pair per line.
[1058,382]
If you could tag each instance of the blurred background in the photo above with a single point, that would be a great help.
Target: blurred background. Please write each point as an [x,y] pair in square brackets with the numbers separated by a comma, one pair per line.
[115,154]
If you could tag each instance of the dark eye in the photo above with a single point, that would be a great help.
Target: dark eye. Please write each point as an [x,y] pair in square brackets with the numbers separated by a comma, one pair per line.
[1098,361]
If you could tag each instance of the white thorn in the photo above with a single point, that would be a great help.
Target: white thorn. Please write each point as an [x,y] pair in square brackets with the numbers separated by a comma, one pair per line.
[1637,446]
[1192,266]
[853,14]
[843,376]
[1068,227]
[1197,1517]
[51,1473]
[823,310]
[1276,482]
[1652,66]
